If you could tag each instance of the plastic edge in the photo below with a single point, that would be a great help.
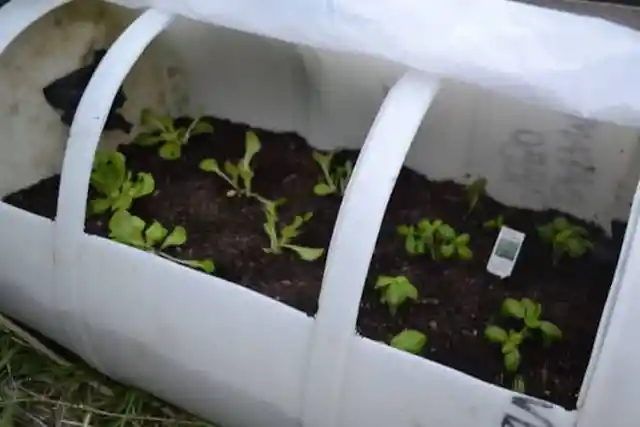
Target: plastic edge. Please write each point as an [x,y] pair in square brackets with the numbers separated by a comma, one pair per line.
[84,136]
[369,189]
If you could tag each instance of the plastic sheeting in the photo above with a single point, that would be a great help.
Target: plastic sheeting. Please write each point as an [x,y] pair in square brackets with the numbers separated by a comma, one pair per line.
[580,65]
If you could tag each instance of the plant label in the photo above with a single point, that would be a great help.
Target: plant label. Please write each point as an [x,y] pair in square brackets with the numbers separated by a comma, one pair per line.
[505,252]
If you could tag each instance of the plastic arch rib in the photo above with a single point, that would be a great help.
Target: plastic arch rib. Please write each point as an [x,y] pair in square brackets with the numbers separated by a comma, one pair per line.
[369,188]
[18,15]
[84,136]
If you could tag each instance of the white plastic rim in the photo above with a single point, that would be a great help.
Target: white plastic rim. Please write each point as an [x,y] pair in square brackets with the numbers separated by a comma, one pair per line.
[363,208]
[84,136]
[17,15]
[612,298]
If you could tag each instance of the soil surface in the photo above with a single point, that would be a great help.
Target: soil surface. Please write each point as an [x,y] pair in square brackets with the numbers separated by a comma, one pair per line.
[457,299]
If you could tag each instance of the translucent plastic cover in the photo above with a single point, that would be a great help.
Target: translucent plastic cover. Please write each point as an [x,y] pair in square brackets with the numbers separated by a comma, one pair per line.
[580,65]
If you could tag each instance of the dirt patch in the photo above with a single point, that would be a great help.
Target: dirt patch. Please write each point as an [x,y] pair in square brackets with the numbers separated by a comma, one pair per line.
[457,299]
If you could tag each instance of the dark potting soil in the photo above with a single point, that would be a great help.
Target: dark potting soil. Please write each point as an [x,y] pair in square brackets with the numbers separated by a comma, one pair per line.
[457,298]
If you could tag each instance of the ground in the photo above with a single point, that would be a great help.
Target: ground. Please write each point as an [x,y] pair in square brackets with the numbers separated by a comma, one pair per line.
[38,387]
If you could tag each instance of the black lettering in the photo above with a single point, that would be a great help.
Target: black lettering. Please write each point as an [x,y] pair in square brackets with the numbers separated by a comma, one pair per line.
[527,404]
[511,421]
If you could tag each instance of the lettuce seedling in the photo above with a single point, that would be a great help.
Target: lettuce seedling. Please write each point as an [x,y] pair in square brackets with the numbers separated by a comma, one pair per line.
[282,238]
[440,239]
[133,231]
[116,185]
[510,343]
[529,312]
[409,340]
[475,191]
[161,129]
[395,291]
[565,238]
[334,179]
[234,173]
[494,224]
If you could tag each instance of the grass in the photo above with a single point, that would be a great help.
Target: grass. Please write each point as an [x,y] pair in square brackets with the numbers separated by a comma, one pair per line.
[40,388]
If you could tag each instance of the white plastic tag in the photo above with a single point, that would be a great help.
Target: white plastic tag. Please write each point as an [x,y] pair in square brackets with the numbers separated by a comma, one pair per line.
[505,252]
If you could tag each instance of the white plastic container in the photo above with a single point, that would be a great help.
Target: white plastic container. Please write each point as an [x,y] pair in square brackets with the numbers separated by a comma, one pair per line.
[228,353]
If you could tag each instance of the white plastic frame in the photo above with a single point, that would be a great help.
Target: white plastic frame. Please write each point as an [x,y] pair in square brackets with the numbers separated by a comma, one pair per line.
[380,163]
[84,136]
[370,188]
[18,15]
[334,328]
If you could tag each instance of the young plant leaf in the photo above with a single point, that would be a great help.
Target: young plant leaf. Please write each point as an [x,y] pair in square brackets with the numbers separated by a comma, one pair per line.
[475,191]
[143,186]
[205,265]
[512,308]
[252,147]
[495,334]
[126,228]
[550,331]
[409,340]
[155,234]
[178,237]
[210,165]
[170,151]
[512,360]
[306,253]
[395,291]
[322,189]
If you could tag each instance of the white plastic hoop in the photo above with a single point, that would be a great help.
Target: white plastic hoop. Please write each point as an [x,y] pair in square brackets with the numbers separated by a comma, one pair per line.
[17,15]
[84,136]
[363,208]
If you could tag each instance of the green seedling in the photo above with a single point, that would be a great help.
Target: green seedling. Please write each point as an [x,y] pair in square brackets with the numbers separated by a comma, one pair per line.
[529,312]
[518,384]
[440,239]
[565,238]
[475,191]
[395,291]
[160,129]
[409,340]
[494,224]
[117,186]
[334,179]
[134,231]
[282,238]
[240,175]
[510,343]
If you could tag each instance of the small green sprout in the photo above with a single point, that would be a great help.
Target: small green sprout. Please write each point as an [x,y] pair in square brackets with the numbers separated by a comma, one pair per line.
[161,129]
[334,179]
[116,185]
[395,291]
[134,231]
[518,384]
[529,312]
[440,239]
[233,173]
[282,239]
[494,224]
[475,191]
[510,342]
[565,238]
[409,340]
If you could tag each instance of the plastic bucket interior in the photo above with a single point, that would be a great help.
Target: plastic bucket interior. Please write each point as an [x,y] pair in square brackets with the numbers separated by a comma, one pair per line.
[231,354]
